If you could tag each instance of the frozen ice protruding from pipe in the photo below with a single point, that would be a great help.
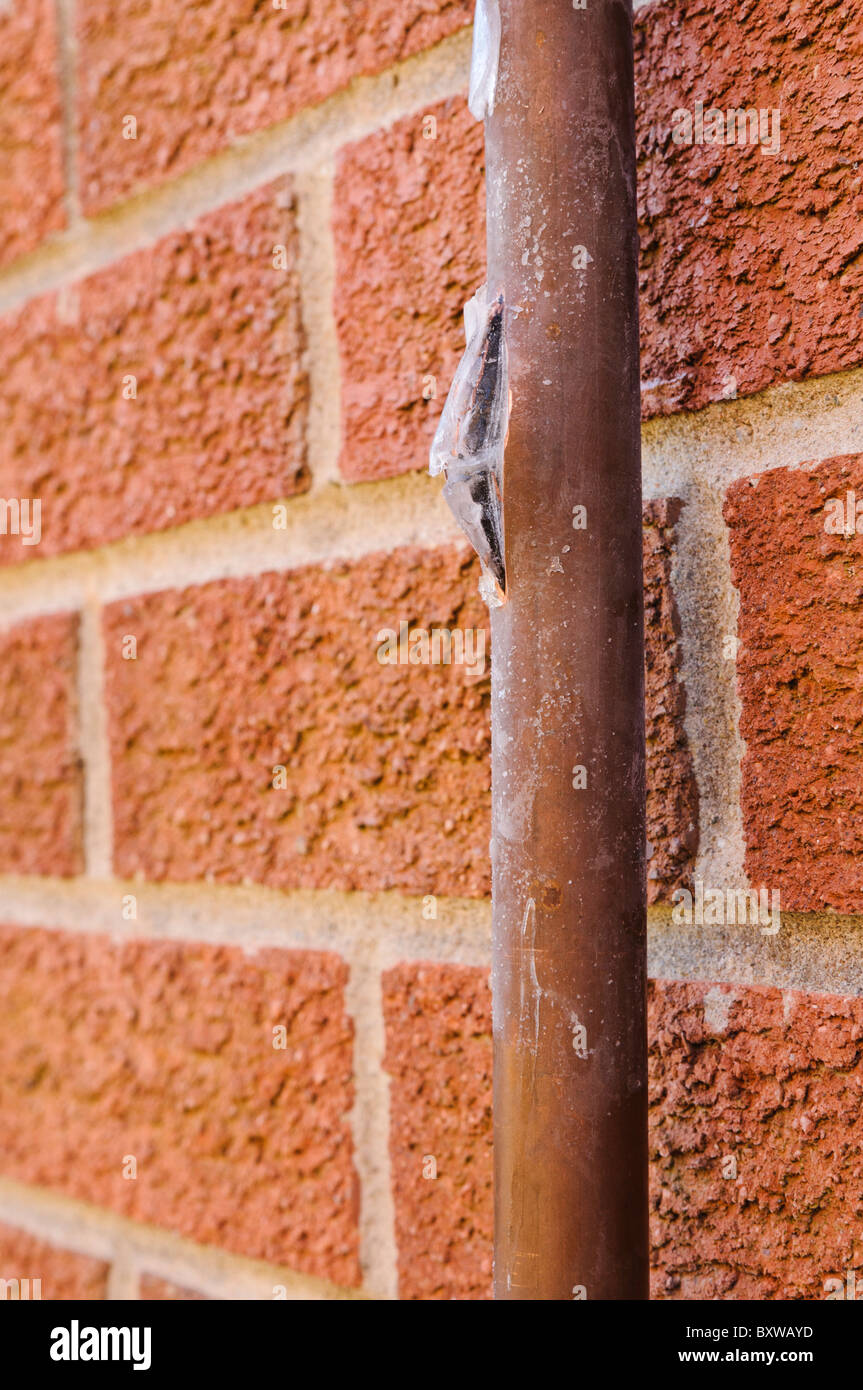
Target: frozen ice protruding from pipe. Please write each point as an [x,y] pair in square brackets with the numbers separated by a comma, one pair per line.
[471,436]
[484,58]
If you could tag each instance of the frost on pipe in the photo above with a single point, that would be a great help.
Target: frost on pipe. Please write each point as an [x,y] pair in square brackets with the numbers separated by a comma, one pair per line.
[471,435]
[484,59]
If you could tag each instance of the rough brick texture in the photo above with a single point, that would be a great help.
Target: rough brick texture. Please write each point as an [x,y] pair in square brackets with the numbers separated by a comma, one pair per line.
[773,1081]
[165,1052]
[40,769]
[31,154]
[672,792]
[155,1290]
[64,1274]
[199,77]
[409,227]
[211,331]
[386,765]
[438,1054]
[800,676]
[751,264]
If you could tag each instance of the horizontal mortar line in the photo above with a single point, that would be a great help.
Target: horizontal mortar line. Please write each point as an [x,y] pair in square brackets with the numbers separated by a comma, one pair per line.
[333,523]
[813,953]
[253,918]
[786,425]
[101,1234]
[302,142]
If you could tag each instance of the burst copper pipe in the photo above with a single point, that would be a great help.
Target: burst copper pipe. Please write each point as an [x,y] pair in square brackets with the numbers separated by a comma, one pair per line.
[568,837]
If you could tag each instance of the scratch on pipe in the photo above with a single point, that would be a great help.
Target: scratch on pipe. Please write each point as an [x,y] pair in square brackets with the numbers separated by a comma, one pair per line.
[528,946]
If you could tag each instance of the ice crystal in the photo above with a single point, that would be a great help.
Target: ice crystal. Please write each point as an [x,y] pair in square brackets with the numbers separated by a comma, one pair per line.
[469,442]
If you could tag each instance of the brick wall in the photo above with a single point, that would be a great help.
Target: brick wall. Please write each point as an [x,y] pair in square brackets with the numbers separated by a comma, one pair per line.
[245,1031]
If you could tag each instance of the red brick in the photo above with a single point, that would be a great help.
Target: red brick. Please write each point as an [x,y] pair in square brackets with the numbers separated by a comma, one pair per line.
[31,150]
[774,1080]
[800,677]
[409,227]
[387,765]
[439,1056]
[40,770]
[154,1290]
[199,78]
[672,791]
[212,333]
[751,270]
[779,1089]
[164,1051]
[64,1274]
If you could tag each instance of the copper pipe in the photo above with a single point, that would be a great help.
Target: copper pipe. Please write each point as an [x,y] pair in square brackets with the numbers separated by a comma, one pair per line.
[567,671]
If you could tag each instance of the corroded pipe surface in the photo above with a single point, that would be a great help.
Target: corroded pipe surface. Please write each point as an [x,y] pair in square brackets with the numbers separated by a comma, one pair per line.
[567,663]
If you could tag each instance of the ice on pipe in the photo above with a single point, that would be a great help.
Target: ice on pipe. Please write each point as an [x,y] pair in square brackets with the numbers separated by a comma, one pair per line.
[484,58]
[469,442]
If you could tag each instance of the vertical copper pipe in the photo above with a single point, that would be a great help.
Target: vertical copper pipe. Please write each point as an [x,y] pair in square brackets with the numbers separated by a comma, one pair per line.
[568,686]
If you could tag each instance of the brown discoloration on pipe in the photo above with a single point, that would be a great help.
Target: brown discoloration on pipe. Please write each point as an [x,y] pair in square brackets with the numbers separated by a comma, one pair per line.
[568,860]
